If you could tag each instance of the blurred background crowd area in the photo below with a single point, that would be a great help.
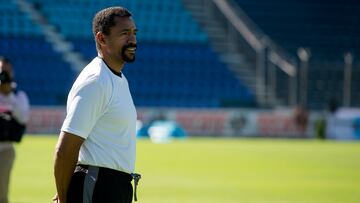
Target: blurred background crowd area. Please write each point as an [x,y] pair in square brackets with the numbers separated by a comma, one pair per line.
[217,67]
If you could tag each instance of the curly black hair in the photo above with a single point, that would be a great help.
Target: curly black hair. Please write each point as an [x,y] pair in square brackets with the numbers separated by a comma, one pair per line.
[105,19]
[4,59]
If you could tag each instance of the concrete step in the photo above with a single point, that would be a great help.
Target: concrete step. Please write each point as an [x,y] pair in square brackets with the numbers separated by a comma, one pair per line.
[234,58]
[226,46]
[55,38]
[232,51]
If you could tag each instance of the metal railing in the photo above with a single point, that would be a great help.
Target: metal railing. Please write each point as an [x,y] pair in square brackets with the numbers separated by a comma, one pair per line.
[266,50]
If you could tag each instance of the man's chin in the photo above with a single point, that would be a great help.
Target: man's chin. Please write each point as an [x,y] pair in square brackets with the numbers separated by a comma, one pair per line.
[129,59]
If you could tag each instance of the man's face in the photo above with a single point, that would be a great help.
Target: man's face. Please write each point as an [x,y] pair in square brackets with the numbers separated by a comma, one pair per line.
[7,67]
[5,88]
[121,42]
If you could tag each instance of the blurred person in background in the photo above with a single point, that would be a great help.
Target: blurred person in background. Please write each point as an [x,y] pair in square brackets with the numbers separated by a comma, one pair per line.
[14,113]
[95,153]
[301,117]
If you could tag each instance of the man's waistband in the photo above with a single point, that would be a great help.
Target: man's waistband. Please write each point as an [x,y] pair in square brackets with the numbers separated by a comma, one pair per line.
[108,171]
[113,173]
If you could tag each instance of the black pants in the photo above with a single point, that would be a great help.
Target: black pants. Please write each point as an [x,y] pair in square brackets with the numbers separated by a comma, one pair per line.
[90,184]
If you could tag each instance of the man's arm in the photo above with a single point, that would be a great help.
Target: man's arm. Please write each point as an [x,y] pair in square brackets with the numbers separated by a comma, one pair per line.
[21,107]
[66,156]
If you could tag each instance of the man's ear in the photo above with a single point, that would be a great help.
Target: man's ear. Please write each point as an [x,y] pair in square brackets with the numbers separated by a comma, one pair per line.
[100,38]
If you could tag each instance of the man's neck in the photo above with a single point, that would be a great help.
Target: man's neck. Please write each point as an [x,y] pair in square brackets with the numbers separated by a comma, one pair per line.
[113,65]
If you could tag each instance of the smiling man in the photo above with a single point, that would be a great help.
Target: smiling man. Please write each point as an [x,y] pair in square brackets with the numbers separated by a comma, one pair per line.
[95,153]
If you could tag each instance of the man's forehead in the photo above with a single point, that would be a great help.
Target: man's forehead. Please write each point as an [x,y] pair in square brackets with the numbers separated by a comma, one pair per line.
[125,23]
[5,65]
[2,63]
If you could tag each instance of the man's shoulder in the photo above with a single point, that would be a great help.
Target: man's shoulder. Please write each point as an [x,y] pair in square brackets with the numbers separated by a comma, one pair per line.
[95,72]
[20,93]
[91,82]
[92,68]
[90,74]
[86,79]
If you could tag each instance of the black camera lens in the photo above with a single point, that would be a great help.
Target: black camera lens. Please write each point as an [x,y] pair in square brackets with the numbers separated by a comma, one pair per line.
[5,77]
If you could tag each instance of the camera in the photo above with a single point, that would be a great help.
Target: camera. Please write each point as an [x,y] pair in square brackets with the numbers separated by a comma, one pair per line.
[10,129]
[5,78]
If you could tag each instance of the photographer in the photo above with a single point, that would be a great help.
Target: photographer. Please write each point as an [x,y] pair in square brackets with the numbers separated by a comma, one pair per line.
[14,113]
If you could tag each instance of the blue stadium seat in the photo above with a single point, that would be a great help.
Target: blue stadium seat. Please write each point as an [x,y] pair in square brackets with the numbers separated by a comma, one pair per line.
[175,67]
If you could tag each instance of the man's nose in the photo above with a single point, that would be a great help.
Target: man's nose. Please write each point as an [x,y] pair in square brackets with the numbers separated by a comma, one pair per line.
[132,39]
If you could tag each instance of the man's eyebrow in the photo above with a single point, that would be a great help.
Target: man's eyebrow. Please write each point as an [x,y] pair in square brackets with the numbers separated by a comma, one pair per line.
[129,29]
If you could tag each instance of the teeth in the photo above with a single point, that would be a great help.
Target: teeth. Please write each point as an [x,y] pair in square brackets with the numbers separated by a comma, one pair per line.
[132,49]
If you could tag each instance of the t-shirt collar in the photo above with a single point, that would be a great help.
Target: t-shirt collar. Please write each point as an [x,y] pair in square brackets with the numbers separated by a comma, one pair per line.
[116,73]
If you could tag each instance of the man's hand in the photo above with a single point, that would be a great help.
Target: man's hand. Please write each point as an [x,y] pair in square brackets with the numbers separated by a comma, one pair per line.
[6,88]
[66,156]
[56,199]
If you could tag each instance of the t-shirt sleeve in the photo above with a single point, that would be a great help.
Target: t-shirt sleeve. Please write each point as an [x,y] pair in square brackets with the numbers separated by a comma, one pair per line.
[21,107]
[84,107]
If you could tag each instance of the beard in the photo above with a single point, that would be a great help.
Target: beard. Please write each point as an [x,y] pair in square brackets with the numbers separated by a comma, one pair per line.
[125,57]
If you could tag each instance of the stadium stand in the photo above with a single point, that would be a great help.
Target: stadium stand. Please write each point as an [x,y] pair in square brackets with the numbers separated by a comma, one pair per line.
[329,28]
[320,25]
[40,71]
[176,67]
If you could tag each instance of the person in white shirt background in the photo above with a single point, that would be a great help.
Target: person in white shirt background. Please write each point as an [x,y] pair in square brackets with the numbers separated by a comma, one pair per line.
[14,114]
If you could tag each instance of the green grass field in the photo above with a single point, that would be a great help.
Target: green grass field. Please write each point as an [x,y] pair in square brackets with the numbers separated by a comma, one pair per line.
[215,171]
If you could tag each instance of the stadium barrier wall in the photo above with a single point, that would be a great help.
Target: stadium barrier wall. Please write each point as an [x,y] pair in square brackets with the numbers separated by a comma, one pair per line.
[344,124]
[197,122]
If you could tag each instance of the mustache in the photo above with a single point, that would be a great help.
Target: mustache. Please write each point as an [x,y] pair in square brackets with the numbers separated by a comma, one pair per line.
[131,45]
[123,50]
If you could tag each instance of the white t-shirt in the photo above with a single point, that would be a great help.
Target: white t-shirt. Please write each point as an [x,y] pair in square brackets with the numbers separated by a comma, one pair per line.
[100,109]
[19,105]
